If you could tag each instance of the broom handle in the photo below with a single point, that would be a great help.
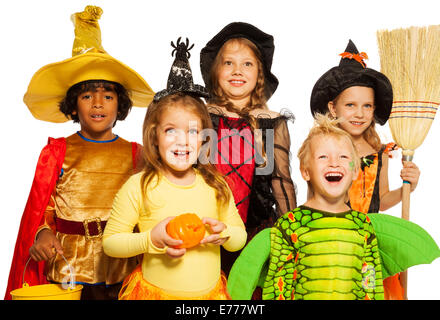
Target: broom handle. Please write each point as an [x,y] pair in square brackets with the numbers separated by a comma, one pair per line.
[406,190]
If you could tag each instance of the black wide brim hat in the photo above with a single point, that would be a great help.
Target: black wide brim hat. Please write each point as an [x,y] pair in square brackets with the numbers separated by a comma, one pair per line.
[349,73]
[263,41]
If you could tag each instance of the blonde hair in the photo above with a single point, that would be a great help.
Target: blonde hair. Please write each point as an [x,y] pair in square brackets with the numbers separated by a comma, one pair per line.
[325,126]
[372,137]
[153,162]
[257,99]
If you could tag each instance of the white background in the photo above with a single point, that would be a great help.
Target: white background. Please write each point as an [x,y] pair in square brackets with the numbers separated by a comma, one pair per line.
[308,38]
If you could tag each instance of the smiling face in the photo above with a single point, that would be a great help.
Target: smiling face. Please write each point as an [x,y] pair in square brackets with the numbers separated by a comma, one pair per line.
[178,140]
[329,167]
[97,111]
[237,72]
[355,106]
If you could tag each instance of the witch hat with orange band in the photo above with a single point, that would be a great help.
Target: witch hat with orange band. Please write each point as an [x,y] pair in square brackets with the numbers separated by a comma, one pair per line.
[352,71]
[89,61]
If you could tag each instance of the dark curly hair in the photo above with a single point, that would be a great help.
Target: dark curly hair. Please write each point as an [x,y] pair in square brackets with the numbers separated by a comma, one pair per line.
[69,103]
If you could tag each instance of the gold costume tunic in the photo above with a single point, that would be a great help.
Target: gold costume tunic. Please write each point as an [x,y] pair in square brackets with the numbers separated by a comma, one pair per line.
[92,174]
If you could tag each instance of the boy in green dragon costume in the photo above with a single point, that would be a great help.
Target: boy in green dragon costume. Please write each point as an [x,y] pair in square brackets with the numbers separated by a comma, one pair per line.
[323,249]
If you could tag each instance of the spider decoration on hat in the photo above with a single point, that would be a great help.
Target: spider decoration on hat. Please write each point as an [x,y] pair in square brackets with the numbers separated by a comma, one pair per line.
[180,78]
[182,48]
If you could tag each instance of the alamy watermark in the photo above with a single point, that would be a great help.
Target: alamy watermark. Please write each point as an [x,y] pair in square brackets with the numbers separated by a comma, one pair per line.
[233,147]
[369,278]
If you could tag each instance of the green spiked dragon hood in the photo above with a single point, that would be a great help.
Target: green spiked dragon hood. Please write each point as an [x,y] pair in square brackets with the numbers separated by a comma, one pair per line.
[311,254]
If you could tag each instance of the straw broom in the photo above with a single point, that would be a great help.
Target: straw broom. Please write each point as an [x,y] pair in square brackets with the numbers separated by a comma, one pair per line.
[410,58]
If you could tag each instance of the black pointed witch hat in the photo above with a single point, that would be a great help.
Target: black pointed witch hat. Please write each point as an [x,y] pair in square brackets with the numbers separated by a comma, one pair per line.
[352,71]
[352,58]
[180,78]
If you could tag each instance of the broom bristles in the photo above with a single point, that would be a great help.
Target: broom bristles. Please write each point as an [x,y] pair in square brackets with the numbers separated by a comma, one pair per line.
[410,58]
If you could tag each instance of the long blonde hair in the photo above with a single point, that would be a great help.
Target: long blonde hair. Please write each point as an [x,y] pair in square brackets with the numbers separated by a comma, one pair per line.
[257,99]
[153,163]
[372,138]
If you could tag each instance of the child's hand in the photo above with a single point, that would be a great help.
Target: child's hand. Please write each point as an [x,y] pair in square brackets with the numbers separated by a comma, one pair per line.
[410,173]
[45,246]
[216,227]
[161,239]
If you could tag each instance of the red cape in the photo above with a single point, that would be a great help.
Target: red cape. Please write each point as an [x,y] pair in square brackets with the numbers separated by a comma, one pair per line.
[46,175]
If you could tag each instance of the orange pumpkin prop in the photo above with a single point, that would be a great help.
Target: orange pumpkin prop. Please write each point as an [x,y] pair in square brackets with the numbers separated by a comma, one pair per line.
[187,227]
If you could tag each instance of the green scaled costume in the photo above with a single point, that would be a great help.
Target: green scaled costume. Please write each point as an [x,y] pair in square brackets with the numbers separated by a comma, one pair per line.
[312,254]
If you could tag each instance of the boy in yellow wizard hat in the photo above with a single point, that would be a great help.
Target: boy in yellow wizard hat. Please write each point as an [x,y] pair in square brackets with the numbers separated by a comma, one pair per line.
[77,177]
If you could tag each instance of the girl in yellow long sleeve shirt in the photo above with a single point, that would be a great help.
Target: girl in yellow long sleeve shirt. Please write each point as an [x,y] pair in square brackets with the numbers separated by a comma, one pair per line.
[197,272]
[174,182]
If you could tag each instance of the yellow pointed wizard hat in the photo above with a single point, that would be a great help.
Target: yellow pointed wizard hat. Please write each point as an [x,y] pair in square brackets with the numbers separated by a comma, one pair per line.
[89,61]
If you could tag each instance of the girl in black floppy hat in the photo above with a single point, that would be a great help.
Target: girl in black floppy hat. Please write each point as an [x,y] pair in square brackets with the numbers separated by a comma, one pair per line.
[359,97]
[253,142]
